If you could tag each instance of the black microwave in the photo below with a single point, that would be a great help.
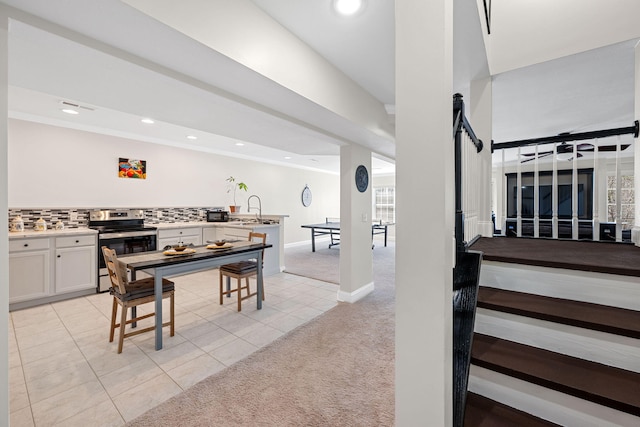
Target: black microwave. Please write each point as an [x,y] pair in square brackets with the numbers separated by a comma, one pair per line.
[217,216]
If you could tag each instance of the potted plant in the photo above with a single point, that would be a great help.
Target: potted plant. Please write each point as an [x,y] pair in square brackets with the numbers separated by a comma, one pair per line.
[234,186]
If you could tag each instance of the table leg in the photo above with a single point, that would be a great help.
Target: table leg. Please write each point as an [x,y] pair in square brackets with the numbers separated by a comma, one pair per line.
[260,281]
[134,309]
[158,295]
[229,288]
[313,240]
[385,236]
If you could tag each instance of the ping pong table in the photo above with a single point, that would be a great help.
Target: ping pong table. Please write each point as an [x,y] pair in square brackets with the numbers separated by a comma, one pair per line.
[332,229]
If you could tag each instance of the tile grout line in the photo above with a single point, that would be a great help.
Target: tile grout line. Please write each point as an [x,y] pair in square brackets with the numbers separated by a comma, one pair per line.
[85,358]
[15,337]
[283,294]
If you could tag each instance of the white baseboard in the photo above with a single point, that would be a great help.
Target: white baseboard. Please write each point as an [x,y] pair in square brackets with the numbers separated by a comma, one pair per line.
[356,295]
[305,242]
[378,240]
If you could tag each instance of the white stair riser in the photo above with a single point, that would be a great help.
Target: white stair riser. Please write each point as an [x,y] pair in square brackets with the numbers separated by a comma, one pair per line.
[544,403]
[598,288]
[608,349]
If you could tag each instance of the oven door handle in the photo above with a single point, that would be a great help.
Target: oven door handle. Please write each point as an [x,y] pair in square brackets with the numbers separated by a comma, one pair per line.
[113,236]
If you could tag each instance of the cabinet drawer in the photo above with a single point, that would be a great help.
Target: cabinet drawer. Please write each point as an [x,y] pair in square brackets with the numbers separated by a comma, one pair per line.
[28,245]
[71,241]
[179,232]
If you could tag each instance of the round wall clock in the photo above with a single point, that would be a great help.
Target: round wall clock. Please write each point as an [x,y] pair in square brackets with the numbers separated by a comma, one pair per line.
[362,178]
[306,196]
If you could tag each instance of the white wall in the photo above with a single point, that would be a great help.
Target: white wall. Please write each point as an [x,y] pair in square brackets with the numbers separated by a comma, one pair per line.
[53,167]
[425,214]
[4,234]
[356,259]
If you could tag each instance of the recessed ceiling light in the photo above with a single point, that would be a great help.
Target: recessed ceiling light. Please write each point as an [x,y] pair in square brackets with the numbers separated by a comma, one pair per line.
[147,121]
[347,7]
[69,111]
[239,144]
[192,137]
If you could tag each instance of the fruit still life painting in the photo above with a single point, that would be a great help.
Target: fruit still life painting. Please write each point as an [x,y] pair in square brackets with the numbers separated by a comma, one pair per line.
[129,168]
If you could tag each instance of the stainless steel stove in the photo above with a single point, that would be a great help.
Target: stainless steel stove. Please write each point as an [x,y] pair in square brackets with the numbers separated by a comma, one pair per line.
[123,231]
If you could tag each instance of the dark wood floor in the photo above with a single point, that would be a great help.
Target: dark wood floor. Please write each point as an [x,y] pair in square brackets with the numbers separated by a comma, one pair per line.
[601,257]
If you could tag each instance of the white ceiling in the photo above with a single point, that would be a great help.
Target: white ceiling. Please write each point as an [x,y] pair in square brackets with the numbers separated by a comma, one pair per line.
[145,68]
[362,46]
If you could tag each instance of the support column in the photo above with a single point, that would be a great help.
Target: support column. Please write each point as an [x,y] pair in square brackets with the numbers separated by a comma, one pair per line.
[4,213]
[356,259]
[635,231]
[480,116]
[425,213]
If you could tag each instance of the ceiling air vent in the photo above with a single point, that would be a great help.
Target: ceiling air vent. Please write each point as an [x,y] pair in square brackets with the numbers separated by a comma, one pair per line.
[71,104]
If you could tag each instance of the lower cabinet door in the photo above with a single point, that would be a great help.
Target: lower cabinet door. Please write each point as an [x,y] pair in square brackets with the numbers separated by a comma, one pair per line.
[75,269]
[29,275]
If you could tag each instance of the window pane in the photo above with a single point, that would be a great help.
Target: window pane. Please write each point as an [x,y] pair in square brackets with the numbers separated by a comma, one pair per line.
[627,200]
[384,204]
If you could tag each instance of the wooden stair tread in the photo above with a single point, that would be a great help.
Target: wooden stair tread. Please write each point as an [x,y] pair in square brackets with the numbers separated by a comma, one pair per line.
[601,257]
[598,317]
[481,411]
[609,386]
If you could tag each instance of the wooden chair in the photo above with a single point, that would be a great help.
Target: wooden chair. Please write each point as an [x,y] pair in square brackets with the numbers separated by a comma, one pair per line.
[131,294]
[241,270]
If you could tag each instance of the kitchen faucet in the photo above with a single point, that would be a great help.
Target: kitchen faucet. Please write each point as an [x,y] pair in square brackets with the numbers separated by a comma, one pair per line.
[259,206]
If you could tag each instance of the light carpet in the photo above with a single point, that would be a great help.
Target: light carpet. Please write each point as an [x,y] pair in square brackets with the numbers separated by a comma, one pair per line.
[323,264]
[336,370]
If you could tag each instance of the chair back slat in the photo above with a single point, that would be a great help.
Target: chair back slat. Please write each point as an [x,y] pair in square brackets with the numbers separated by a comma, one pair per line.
[259,237]
[117,271]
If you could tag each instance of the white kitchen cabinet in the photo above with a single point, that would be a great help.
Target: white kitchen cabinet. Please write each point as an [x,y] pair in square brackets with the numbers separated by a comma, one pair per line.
[271,255]
[29,269]
[236,233]
[210,234]
[76,263]
[174,236]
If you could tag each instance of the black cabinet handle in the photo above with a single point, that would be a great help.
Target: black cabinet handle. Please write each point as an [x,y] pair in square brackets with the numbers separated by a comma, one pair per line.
[59,256]
[77,241]
[26,245]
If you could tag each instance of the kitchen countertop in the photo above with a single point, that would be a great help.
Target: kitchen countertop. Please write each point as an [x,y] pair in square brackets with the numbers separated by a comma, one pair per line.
[29,234]
[237,224]
[169,225]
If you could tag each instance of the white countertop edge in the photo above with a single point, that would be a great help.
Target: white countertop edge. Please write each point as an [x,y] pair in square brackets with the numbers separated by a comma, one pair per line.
[172,225]
[29,234]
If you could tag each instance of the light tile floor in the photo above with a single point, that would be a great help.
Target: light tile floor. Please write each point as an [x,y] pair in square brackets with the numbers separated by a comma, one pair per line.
[64,371]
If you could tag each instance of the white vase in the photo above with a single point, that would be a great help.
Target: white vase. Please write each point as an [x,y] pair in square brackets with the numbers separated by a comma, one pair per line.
[40,225]
[17,224]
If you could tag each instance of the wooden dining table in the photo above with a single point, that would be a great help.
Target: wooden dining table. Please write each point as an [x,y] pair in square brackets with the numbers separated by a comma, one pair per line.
[197,258]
